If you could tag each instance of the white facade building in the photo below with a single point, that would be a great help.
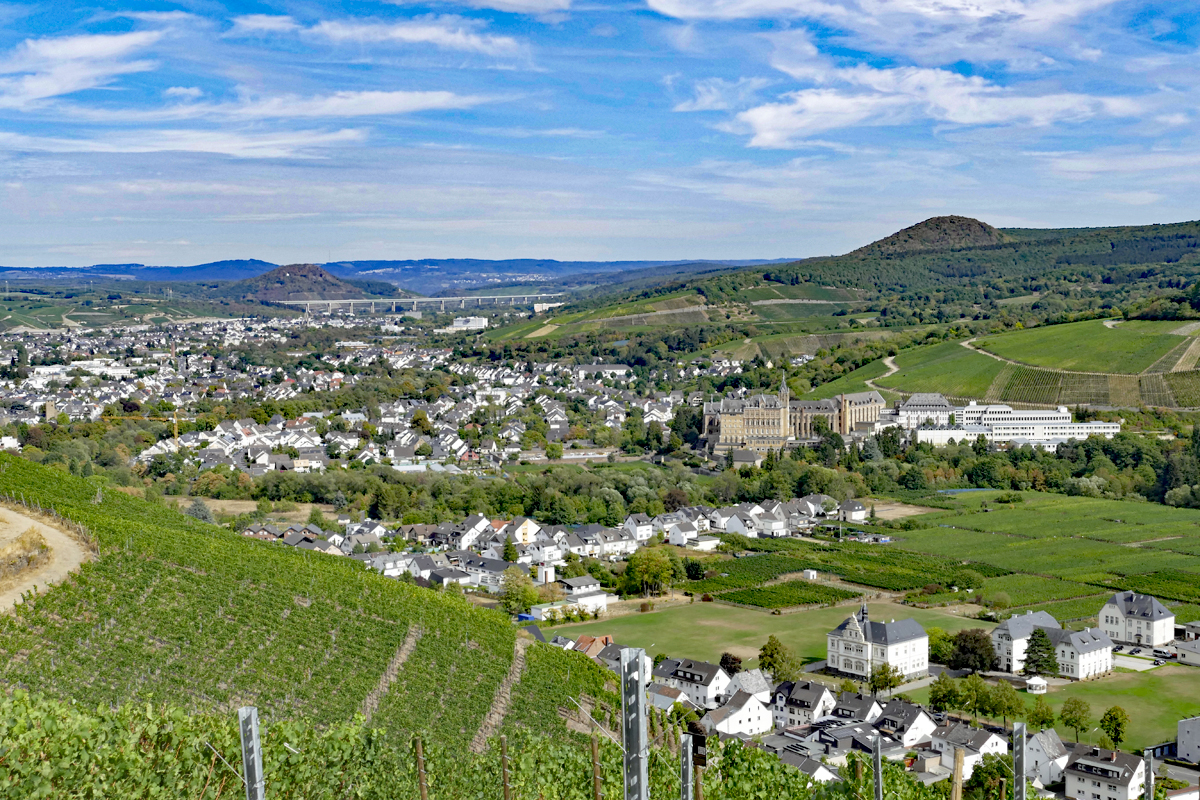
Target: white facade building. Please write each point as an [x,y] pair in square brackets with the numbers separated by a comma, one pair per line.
[1138,619]
[704,684]
[743,713]
[974,742]
[1045,757]
[1081,654]
[1003,424]
[858,646]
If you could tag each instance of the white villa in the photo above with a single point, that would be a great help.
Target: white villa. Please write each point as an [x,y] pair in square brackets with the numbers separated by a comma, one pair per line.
[1138,619]
[858,646]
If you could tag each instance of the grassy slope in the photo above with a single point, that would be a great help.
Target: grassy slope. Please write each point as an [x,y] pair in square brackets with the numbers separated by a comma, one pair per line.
[947,368]
[179,611]
[1086,346]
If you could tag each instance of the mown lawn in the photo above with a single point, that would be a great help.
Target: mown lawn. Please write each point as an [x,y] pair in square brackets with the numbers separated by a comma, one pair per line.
[1086,346]
[705,630]
[1155,701]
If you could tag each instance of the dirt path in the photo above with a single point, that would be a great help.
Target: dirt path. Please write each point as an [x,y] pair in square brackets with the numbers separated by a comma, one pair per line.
[66,554]
[495,715]
[371,702]
[892,369]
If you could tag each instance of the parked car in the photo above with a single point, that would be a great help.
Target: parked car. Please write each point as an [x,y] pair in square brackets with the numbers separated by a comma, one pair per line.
[1158,662]
[1118,648]
[1135,651]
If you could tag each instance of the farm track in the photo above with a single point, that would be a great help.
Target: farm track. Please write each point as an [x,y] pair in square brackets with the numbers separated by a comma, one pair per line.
[371,702]
[66,556]
[1187,361]
[495,714]
[892,369]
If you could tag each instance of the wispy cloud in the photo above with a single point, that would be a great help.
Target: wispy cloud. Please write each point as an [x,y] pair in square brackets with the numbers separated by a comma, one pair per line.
[282,144]
[718,94]
[445,31]
[40,69]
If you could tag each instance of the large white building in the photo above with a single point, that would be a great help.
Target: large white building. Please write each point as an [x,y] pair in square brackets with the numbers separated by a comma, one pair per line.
[1137,619]
[1080,654]
[1003,424]
[859,646]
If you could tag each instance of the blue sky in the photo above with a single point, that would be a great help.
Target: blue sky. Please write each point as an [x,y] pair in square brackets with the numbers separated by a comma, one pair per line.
[184,132]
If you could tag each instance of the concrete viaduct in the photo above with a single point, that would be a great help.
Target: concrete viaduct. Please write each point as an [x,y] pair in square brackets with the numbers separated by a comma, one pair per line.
[414,303]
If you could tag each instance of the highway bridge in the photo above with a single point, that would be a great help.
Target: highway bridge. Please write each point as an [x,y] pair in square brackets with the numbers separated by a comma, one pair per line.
[415,303]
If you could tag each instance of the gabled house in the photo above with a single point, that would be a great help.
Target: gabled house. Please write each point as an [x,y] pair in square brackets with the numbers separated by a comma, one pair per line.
[856,706]
[705,684]
[742,714]
[801,702]
[1097,773]
[974,742]
[905,722]
[640,526]
[1045,757]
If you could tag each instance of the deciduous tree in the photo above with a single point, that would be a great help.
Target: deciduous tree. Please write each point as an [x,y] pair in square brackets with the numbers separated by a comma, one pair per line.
[1113,723]
[1075,714]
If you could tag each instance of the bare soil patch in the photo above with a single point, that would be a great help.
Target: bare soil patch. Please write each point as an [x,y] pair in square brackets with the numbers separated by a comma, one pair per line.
[890,509]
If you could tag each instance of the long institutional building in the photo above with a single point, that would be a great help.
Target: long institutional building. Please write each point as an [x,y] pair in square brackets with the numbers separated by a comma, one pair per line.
[764,422]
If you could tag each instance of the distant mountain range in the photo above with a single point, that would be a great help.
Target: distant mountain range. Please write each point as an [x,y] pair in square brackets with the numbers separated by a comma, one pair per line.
[425,276]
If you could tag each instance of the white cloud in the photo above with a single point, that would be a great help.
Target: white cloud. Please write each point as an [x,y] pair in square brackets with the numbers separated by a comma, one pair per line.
[282,144]
[338,104]
[254,24]
[186,92]
[40,69]
[869,96]
[718,94]
[447,32]
[930,31]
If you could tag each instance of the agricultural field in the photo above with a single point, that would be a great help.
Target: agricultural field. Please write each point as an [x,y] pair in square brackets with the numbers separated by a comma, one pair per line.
[705,630]
[746,572]
[1026,590]
[947,368]
[778,312]
[785,595]
[1079,608]
[1128,347]
[1168,584]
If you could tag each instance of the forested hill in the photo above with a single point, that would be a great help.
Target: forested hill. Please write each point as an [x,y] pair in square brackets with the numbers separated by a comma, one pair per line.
[938,233]
[1109,255]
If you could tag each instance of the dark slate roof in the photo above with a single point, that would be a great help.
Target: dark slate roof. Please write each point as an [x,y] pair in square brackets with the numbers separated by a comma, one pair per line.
[898,716]
[801,694]
[1142,606]
[884,632]
[1021,626]
[1111,767]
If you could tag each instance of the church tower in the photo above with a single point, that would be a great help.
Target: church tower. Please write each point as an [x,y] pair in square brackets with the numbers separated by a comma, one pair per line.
[785,422]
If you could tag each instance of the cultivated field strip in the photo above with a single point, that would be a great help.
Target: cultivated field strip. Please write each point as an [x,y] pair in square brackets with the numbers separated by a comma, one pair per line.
[1190,357]
[1171,358]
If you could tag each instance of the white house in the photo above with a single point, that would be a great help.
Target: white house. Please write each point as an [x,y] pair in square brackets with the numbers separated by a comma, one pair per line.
[742,713]
[974,743]
[753,682]
[704,684]
[1080,654]
[640,526]
[858,646]
[905,722]
[1133,618]
[798,703]
[1188,739]
[1045,757]
[852,511]
[682,534]
[1095,773]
